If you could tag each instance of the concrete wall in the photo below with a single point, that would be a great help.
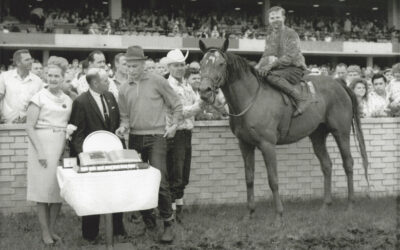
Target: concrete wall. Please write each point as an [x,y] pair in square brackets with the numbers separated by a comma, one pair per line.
[163,43]
[217,168]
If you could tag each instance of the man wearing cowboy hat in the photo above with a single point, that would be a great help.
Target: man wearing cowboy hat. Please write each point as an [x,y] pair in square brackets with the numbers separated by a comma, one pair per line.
[180,147]
[144,102]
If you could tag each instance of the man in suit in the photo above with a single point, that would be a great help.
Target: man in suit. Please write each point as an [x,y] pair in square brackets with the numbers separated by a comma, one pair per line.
[95,110]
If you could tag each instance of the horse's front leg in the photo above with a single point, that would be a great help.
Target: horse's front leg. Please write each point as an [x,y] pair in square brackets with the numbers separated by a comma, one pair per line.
[269,155]
[248,158]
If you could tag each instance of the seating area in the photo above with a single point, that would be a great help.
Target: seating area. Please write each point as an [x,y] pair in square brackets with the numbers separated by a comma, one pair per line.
[195,23]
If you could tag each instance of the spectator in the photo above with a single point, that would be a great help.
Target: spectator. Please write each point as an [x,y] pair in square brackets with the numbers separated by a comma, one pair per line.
[195,65]
[75,67]
[388,74]
[121,70]
[96,59]
[48,115]
[377,99]
[324,71]
[2,68]
[37,69]
[393,91]
[83,68]
[107,29]
[359,87]
[215,32]
[150,66]
[162,68]
[17,87]
[353,72]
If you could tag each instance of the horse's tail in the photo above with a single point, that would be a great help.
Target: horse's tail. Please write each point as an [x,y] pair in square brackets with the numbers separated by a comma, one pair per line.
[357,130]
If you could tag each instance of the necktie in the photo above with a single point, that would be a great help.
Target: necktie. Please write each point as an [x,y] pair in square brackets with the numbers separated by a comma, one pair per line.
[106,116]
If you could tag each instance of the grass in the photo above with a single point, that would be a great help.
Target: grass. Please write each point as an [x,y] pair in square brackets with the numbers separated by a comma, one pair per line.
[371,225]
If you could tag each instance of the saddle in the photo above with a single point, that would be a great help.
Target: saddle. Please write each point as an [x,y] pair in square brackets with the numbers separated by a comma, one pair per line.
[307,88]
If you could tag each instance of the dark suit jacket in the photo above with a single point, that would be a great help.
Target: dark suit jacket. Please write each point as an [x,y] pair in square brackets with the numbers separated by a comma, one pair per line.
[87,117]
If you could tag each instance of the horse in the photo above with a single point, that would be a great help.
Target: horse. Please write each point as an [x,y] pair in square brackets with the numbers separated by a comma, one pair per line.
[258,111]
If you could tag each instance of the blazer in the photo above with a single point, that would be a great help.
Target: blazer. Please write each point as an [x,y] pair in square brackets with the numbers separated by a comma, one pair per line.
[87,117]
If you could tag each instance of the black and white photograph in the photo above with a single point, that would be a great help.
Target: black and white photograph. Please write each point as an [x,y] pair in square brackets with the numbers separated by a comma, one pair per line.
[199,124]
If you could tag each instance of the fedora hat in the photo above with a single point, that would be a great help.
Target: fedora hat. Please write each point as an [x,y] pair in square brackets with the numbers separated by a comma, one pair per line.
[135,53]
[175,56]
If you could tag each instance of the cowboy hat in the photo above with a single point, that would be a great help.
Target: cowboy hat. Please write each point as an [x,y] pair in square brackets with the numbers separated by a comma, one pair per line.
[175,56]
[135,53]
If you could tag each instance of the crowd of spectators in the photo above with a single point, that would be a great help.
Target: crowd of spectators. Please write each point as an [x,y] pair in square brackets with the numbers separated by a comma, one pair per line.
[378,89]
[238,24]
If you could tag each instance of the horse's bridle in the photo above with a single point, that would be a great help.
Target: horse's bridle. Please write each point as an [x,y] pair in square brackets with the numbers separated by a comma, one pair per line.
[215,90]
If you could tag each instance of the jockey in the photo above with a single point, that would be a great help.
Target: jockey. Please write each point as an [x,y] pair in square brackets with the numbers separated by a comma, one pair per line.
[282,63]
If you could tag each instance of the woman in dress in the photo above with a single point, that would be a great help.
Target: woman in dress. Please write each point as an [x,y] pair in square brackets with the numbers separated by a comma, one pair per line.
[360,89]
[47,117]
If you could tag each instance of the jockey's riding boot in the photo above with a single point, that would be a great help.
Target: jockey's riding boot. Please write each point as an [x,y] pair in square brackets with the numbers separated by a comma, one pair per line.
[302,102]
[168,234]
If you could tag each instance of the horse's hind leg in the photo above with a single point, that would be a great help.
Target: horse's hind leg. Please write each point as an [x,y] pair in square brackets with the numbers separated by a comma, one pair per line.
[248,158]
[269,155]
[343,141]
[318,140]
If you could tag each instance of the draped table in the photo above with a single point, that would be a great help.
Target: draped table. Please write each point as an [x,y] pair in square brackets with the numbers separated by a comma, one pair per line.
[109,192]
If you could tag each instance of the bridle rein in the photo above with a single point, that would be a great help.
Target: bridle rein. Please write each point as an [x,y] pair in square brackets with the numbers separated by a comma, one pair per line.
[215,88]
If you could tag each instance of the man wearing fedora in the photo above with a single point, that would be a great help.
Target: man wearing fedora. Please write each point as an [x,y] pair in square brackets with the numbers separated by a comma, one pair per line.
[144,102]
[180,146]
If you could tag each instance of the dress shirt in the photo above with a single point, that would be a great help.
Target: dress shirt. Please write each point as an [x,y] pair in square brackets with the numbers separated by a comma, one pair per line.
[190,103]
[96,96]
[17,94]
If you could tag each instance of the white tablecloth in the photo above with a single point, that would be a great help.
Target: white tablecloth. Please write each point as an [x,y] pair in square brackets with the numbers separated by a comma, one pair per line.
[109,192]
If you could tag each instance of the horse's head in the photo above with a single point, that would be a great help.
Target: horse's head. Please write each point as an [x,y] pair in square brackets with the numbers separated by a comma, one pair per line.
[213,70]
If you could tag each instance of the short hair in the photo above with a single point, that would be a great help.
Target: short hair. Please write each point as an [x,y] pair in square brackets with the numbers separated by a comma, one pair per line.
[85,64]
[60,62]
[36,61]
[354,68]
[189,72]
[378,76]
[17,55]
[341,65]
[149,60]
[75,60]
[117,57]
[90,57]
[277,8]
[93,74]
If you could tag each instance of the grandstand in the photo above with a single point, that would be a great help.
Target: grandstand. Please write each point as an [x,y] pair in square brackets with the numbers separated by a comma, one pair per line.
[363,32]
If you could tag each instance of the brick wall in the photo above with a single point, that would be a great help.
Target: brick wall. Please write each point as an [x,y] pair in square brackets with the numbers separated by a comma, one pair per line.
[217,168]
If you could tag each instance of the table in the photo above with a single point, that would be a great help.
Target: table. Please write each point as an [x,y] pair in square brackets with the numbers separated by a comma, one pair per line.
[109,192]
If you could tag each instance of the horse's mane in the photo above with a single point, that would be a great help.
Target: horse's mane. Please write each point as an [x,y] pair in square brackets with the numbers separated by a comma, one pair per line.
[237,66]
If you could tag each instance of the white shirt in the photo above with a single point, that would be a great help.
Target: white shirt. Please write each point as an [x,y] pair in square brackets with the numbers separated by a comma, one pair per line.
[190,102]
[17,94]
[97,98]
[83,86]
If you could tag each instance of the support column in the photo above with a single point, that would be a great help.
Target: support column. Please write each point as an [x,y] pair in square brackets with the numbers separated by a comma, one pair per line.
[45,56]
[115,9]
[267,5]
[393,8]
[370,61]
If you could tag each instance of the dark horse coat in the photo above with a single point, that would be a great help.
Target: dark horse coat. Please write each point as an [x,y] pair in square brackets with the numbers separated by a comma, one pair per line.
[258,111]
